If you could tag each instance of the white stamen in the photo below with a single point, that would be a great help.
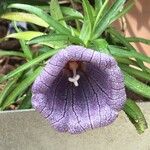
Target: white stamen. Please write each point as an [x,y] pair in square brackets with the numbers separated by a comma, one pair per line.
[76,83]
[75,78]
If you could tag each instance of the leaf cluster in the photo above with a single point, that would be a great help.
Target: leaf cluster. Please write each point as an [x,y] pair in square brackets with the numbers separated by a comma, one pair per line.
[64,26]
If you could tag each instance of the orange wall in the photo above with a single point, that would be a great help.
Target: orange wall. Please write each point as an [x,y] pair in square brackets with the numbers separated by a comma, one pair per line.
[138,24]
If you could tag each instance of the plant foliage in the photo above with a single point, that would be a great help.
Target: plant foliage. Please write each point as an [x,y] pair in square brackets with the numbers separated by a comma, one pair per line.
[64,26]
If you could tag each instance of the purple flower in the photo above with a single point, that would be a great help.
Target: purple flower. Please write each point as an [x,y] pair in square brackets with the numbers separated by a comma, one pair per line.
[79,89]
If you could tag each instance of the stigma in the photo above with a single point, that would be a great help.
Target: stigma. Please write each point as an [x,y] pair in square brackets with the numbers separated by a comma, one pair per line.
[73,66]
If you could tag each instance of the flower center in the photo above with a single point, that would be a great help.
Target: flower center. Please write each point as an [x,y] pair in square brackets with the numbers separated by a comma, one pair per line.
[73,67]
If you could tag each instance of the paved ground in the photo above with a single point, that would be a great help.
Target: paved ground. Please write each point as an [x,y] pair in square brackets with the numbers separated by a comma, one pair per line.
[29,131]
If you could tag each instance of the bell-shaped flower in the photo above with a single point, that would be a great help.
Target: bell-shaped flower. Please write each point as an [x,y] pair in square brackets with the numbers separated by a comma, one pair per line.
[79,89]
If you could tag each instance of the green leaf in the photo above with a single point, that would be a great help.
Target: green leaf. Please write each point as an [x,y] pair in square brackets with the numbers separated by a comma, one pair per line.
[88,12]
[126,61]
[11,53]
[135,115]
[72,18]
[20,88]
[126,9]
[25,17]
[85,33]
[138,73]
[31,2]
[56,40]
[116,51]
[28,65]
[7,89]
[67,11]
[25,48]
[56,12]
[123,40]
[100,12]
[107,18]
[138,39]
[26,102]
[55,37]
[55,44]
[27,35]
[136,86]
[86,30]
[98,5]
[40,13]
[100,45]
[3,6]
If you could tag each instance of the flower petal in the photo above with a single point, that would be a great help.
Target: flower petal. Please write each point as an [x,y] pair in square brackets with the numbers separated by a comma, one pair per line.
[94,103]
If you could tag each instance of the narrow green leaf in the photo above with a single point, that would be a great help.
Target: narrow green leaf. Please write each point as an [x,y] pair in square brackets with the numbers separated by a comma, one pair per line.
[98,5]
[138,39]
[86,30]
[114,50]
[67,11]
[136,86]
[135,115]
[100,45]
[28,65]
[25,17]
[72,18]
[107,18]
[11,53]
[55,44]
[55,37]
[20,88]
[3,6]
[31,2]
[40,13]
[56,12]
[7,89]
[26,102]
[88,11]
[27,35]
[100,13]
[135,72]
[123,40]
[85,33]
[25,48]
[126,9]
[126,61]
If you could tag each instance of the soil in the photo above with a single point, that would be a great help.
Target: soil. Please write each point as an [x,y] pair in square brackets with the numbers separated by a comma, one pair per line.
[6,63]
